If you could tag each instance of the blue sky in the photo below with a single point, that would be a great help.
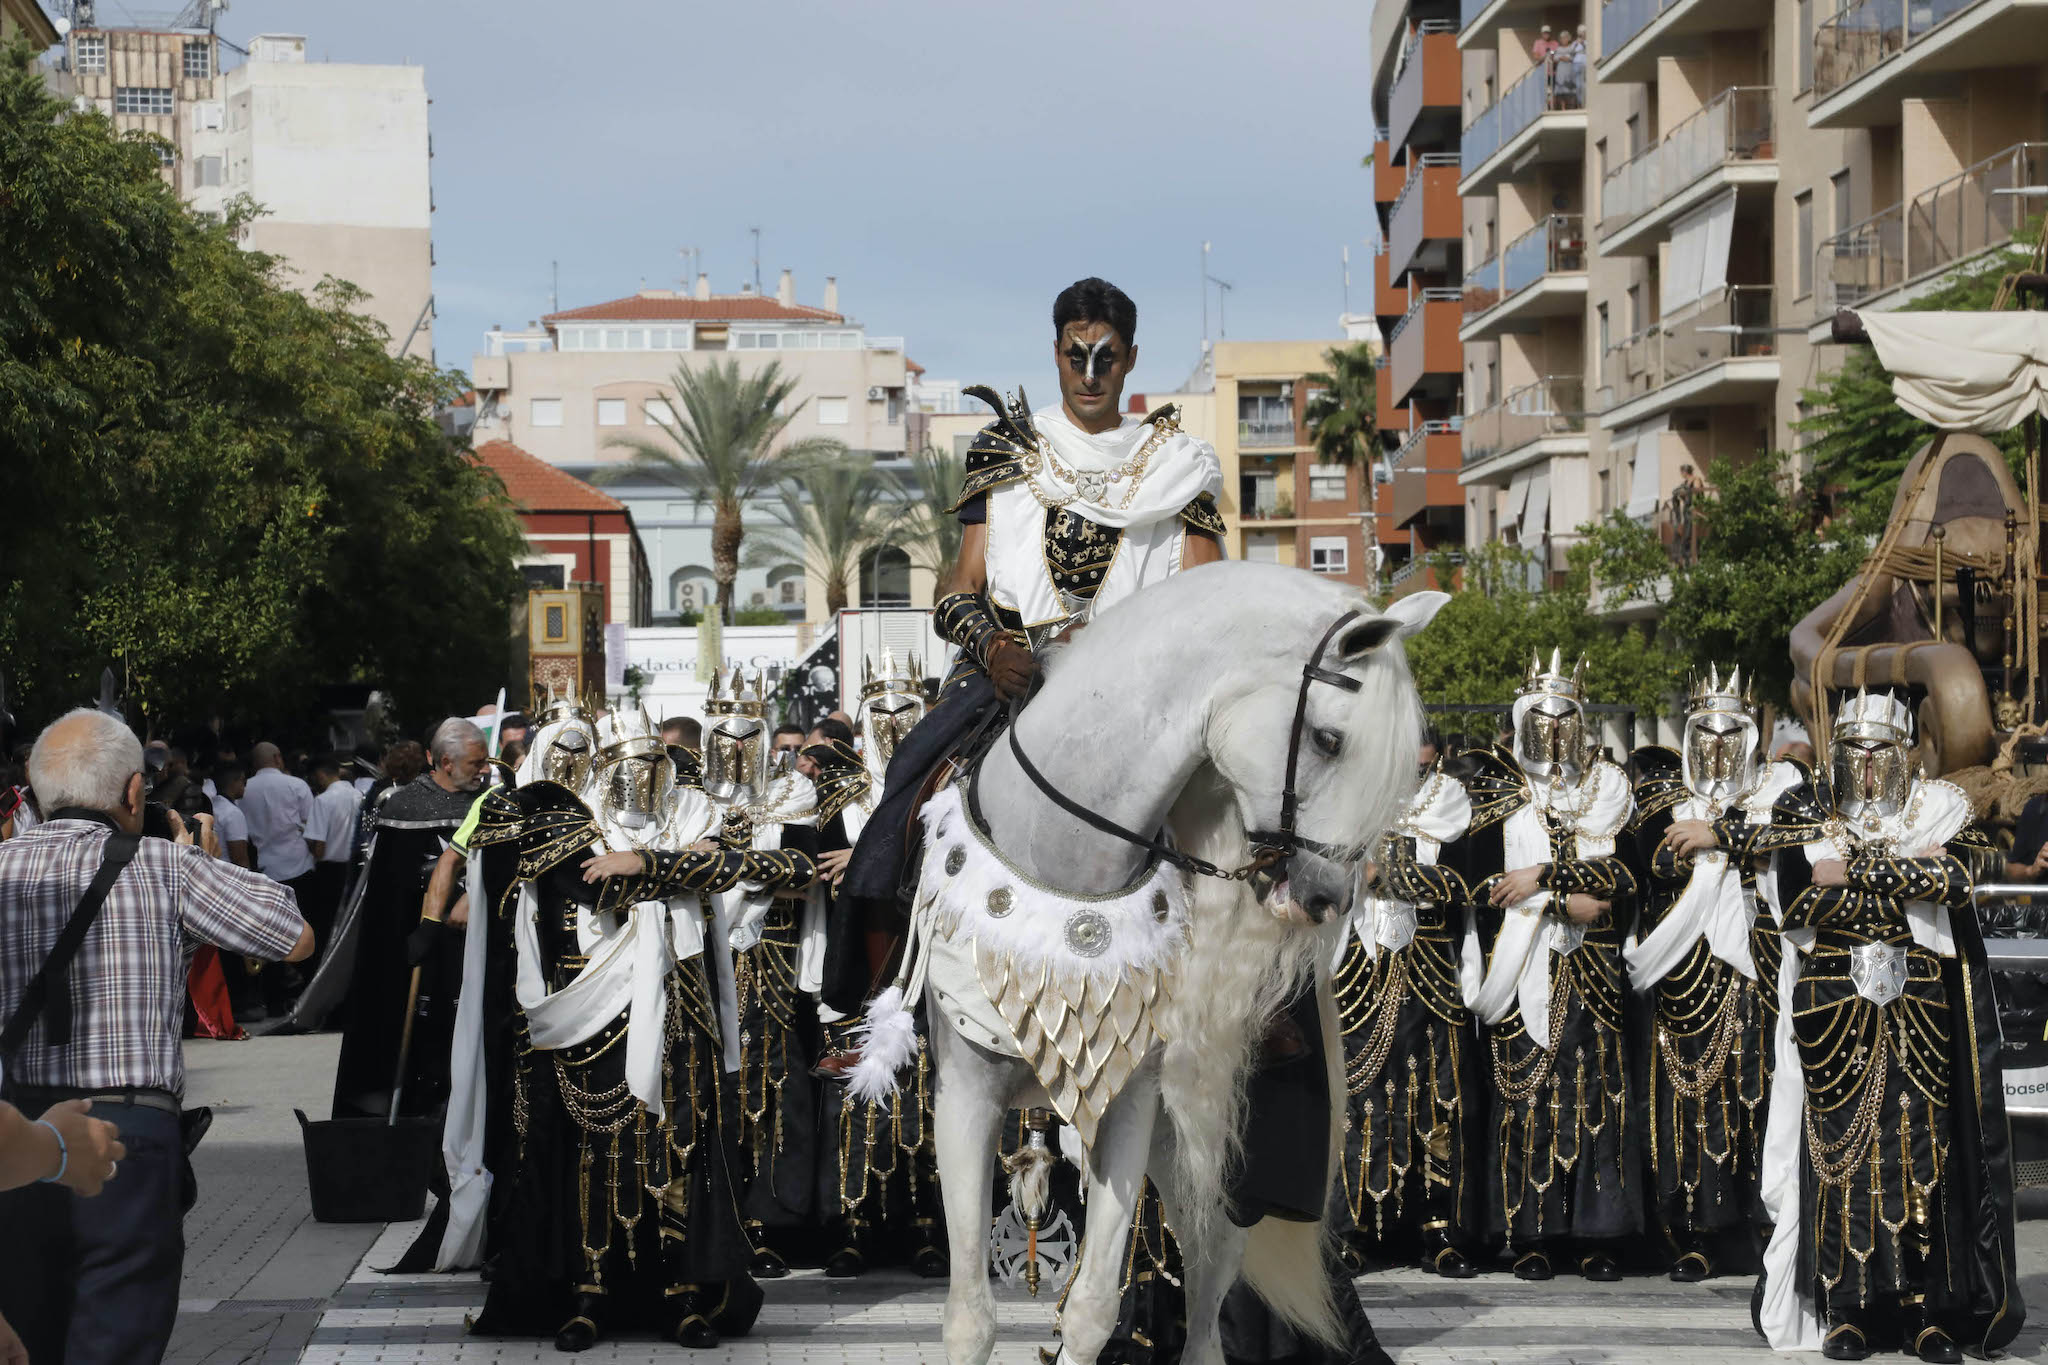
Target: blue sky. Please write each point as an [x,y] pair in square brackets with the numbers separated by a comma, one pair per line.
[953,164]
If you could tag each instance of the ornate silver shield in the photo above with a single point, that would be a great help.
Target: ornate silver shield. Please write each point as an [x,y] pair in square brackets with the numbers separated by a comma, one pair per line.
[1878,971]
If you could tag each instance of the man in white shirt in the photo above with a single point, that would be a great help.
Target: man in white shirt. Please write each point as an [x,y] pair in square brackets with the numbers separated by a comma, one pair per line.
[228,820]
[277,806]
[331,839]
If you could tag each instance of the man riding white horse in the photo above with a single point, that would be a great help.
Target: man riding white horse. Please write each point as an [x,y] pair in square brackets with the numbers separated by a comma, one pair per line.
[1067,511]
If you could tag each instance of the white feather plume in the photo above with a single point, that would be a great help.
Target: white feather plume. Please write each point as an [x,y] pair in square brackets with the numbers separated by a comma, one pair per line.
[888,1044]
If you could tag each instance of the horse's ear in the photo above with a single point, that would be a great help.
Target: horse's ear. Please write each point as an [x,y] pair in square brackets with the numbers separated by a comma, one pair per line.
[1368,635]
[1416,610]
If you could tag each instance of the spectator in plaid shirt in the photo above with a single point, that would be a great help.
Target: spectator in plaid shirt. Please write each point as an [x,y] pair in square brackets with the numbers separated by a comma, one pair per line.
[96,1283]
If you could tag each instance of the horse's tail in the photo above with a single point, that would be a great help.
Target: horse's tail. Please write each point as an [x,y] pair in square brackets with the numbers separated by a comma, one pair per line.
[1283,1264]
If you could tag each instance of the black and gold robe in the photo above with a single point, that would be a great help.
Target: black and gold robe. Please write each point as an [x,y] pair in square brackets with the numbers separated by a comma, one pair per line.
[1564,1147]
[605,1199]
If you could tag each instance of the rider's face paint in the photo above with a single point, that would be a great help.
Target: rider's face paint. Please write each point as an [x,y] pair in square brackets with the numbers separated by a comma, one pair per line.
[1093,364]
[1091,361]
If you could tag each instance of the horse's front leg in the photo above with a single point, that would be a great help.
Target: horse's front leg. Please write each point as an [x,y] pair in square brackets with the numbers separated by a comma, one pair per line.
[1116,1179]
[1209,1264]
[967,1110]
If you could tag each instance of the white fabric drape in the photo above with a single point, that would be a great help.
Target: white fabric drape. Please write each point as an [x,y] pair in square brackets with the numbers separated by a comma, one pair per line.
[462,1130]
[1518,498]
[1646,465]
[1440,813]
[1714,905]
[1518,969]
[1981,372]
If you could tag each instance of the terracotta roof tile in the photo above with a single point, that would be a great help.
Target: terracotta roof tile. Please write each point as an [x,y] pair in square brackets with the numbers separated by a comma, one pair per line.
[671,307]
[537,486]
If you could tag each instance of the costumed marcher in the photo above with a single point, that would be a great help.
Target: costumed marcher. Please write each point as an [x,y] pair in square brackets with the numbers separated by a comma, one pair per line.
[1551,904]
[1707,959]
[371,967]
[758,801]
[1887,1162]
[877,1169]
[1410,1053]
[623,1204]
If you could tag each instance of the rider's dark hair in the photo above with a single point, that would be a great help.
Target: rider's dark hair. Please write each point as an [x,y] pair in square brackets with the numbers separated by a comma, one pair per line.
[1096,300]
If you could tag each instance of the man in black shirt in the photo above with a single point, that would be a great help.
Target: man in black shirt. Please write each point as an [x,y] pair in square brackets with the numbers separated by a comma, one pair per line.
[2028,861]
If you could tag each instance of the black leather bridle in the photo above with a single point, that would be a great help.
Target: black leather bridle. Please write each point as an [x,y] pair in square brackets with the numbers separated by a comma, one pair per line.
[1269,847]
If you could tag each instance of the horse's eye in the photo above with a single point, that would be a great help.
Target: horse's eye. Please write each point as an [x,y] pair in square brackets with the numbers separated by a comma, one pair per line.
[1330,742]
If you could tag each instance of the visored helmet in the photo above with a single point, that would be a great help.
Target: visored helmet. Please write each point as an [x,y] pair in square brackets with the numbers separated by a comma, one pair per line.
[891,702]
[736,741]
[1551,742]
[634,777]
[1870,763]
[1723,749]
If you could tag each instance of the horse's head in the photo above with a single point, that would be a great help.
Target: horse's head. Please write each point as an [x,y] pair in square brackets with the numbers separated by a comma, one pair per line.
[1352,733]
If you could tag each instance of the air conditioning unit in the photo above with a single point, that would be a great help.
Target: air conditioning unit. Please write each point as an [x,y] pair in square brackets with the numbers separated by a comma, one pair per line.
[876,393]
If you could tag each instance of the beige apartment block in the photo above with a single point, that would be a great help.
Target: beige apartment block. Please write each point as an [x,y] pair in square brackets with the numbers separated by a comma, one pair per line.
[1652,249]
[336,155]
[1280,504]
[573,387]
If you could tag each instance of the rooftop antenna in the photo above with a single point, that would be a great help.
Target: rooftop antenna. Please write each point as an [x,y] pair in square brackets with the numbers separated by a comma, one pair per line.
[757,258]
[554,286]
[1223,288]
[693,261]
[1205,296]
[1347,279]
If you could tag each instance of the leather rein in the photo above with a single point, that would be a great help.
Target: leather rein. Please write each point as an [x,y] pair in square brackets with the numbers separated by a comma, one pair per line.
[1269,847]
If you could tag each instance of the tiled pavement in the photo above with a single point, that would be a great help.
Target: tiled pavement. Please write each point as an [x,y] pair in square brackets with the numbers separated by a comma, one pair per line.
[893,1317]
[264,1285]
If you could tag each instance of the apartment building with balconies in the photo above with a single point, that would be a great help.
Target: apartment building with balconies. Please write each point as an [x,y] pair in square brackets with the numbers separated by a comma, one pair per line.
[1417,278]
[1652,248]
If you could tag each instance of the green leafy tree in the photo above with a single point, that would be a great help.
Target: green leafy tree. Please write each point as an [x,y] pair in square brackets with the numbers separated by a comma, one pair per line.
[724,445]
[826,523]
[927,529]
[1342,417]
[1478,648]
[229,491]
[1859,438]
[1761,564]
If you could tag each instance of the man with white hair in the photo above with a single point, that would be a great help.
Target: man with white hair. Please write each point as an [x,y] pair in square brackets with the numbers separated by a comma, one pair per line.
[411,829]
[100,924]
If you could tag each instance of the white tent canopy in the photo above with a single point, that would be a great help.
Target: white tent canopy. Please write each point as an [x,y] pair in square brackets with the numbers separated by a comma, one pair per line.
[1978,372]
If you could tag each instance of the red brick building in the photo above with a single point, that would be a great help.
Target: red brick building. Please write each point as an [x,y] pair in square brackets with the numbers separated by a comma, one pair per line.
[574,533]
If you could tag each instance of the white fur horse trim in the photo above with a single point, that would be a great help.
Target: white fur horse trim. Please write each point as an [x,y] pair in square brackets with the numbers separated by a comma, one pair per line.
[1079,981]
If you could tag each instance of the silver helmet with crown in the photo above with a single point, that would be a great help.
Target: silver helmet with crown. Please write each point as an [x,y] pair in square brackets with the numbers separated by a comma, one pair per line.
[1722,752]
[1551,740]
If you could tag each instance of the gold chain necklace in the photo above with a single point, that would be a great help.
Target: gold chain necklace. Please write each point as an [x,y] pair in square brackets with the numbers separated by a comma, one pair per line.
[1093,487]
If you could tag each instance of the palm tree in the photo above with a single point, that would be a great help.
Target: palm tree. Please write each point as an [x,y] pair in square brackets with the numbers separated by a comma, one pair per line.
[1342,418]
[722,446]
[827,523]
[927,528]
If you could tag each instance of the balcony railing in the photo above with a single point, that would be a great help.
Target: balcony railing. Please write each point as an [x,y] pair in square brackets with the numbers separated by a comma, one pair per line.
[1413,184]
[1860,261]
[1676,347]
[1555,406]
[1422,433]
[1552,85]
[1734,126]
[1622,20]
[1864,34]
[1482,286]
[1411,92]
[1265,431]
[1951,222]
[1556,244]
[1966,213]
[1415,309]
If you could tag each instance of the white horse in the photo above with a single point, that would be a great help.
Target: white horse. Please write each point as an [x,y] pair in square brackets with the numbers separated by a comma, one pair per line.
[1127,985]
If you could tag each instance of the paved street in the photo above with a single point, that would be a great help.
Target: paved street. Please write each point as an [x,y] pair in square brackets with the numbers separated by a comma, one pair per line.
[265,1285]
